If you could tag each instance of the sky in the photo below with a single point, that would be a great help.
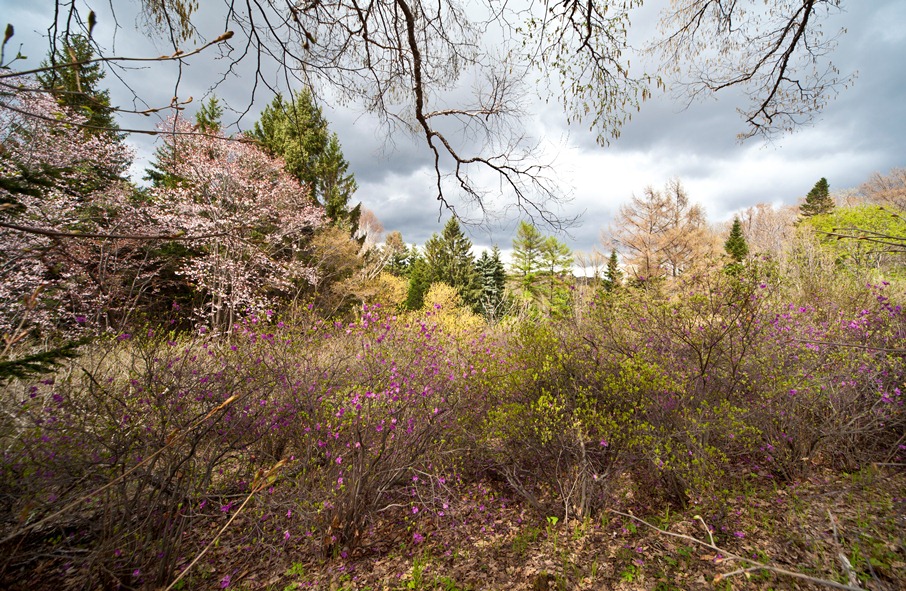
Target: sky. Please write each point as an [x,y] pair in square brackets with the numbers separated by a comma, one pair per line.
[861,132]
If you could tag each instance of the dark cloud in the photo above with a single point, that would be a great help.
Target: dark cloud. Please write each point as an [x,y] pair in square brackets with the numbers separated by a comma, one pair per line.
[860,132]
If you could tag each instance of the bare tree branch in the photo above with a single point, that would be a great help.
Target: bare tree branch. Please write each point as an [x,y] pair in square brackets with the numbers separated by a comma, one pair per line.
[774,51]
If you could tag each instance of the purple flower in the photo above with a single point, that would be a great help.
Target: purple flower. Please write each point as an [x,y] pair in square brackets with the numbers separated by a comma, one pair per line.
[225,582]
[418,538]
[80,319]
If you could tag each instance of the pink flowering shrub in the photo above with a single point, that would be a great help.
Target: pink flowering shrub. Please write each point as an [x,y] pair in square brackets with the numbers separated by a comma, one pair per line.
[243,225]
[182,426]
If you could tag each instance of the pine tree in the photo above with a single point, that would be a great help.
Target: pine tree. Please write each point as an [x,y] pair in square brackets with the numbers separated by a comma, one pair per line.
[449,260]
[336,183]
[297,132]
[492,276]
[75,85]
[526,263]
[556,260]
[736,245]
[418,281]
[208,118]
[818,201]
[613,276]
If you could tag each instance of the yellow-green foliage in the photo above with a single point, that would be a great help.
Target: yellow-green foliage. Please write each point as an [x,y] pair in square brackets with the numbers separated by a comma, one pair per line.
[864,240]
[444,303]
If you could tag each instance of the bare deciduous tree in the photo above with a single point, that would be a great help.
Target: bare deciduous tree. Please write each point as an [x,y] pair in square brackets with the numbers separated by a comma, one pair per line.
[660,233]
[889,189]
[767,228]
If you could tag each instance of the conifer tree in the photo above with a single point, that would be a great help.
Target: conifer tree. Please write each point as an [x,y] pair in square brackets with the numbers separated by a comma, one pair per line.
[526,265]
[613,276]
[492,276]
[818,201]
[418,281]
[736,245]
[556,260]
[296,131]
[208,118]
[74,84]
[449,260]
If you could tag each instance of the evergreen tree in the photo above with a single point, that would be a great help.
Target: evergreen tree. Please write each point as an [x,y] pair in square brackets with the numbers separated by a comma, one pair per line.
[336,183]
[556,260]
[613,276]
[449,260]
[208,118]
[418,281]
[297,132]
[736,245]
[492,277]
[75,85]
[818,201]
[526,263]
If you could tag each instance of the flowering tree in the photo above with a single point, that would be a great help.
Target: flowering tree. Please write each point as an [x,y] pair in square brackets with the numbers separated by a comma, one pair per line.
[252,219]
[67,220]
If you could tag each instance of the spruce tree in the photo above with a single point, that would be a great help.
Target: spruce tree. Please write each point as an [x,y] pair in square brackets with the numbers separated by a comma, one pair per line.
[449,260]
[418,281]
[736,245]
[297,132]
[75,84]
[208,117]
[613,277]
[818,201]
[492,276]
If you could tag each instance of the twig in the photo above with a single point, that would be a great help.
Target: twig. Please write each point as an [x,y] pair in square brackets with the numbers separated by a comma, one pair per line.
[847,565]
[178,55]
[263,481]
[62,234]
[707,529]
[172,438]
[755,564]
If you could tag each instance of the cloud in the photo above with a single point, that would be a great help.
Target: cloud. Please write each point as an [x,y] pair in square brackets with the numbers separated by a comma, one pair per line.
[860,132]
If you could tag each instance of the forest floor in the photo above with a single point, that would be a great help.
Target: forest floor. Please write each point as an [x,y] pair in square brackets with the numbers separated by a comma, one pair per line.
[845,528]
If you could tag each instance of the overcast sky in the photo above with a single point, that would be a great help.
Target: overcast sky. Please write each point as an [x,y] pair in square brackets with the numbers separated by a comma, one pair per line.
[862,131]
